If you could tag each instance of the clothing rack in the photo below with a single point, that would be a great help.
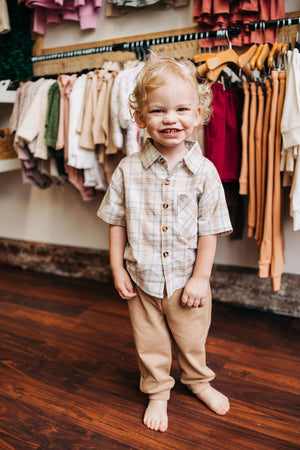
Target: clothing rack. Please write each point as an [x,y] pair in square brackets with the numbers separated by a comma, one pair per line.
[274,23]
[140,44]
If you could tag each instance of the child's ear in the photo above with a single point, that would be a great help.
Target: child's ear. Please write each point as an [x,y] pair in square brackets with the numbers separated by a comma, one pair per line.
[197,117]
[139,119]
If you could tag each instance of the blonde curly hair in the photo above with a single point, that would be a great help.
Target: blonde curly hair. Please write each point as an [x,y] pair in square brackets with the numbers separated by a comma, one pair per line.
[157,70]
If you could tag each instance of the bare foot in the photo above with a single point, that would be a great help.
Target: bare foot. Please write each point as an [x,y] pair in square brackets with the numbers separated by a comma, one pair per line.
[216,401]
[155,416]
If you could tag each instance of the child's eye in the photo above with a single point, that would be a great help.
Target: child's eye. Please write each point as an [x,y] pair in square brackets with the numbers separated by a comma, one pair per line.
[183,109]
[156,111]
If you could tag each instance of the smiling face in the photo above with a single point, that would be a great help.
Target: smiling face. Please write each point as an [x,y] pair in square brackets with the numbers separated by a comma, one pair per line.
[170,114]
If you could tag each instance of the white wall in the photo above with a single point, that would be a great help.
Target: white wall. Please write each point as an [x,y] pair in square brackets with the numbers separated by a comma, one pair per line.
[58,215]
[139,22]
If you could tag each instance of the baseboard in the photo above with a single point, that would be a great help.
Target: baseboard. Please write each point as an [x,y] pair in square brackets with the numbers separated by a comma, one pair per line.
[230,284]
[62,260]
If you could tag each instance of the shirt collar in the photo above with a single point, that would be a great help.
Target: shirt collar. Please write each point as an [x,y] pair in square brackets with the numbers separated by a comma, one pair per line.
[192,159]
[149,153]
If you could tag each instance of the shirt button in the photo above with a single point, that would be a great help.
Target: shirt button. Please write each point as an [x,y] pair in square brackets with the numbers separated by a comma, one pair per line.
[165,205]
[161,161]
[165,254]
[167,182]
[164,228]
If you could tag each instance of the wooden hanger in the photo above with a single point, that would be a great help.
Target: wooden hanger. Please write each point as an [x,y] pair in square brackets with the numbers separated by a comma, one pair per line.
[203,57]
[245,57]
[284,49]
[213,75]
[214,65]
[202,69]
[254,59]
[255,56]
[272,54]
[226,56]
[262,56]
[276,48]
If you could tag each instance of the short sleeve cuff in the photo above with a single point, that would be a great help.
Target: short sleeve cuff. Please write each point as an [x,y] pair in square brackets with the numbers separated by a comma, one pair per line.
[107,217]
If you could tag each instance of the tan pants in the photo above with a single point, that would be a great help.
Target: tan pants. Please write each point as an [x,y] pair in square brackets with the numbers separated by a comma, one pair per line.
[154,322]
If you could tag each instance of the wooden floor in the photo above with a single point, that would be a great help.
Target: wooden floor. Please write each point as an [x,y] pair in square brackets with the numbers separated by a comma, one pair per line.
[69,377]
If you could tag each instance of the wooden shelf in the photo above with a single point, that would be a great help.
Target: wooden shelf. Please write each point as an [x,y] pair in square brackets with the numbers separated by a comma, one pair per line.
[7,96]
[7,165]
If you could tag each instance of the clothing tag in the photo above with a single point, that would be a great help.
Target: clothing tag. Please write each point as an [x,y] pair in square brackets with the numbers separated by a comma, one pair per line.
[223,83]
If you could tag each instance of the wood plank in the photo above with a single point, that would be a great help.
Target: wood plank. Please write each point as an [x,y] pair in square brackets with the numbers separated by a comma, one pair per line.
[69,375]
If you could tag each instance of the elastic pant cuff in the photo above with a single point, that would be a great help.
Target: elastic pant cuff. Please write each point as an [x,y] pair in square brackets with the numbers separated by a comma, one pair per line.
[160,396]
[199,388]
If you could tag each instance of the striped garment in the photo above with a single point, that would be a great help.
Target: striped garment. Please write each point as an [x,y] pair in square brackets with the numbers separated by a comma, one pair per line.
[164,213]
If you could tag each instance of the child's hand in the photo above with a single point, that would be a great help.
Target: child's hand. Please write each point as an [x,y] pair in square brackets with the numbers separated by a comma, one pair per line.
[123,284]
[195,292]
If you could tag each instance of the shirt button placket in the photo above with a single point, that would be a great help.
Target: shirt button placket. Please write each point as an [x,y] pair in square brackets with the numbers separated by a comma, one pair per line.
[166,222]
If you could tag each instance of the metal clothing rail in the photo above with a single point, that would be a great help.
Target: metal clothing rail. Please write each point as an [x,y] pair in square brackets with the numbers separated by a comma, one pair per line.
[146,43]
[274,23]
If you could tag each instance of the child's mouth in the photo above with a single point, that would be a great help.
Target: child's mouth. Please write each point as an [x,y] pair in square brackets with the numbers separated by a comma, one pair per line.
[170,131]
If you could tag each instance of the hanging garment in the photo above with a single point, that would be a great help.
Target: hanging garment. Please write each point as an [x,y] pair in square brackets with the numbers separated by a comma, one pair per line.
[243,178]
[277,259]
[32,128]
[124,130]
[51,12]
[85,120]
[290,124]
[213,15]
[4,18]
[50,118]
[266,244]
[27,100]
[99,130]
[16,118]
[223,132]
[258,160]
[264,156]
[57,165]
[265,190]
[290,128]
[65,84]
[235,203]
[287,154]
[295,194]
[75,176]
[78,156]
[251,157]
[30,171]
[119,8]
[223,148]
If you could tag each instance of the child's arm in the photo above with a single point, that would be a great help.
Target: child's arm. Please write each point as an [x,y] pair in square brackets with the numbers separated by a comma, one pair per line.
[195,291]
[117,242]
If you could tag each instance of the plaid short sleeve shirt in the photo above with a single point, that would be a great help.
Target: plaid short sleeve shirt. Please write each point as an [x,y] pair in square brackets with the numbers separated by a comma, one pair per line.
[164,213]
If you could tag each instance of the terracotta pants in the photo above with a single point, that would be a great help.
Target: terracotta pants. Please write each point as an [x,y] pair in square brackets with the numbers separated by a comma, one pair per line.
[267,236]
[251,160]
[277,260]
[155,322]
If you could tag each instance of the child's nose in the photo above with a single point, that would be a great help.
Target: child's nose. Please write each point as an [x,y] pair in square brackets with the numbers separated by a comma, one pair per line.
[169,117]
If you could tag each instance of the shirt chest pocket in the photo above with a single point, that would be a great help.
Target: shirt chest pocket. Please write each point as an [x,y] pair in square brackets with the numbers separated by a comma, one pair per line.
[187,215]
